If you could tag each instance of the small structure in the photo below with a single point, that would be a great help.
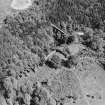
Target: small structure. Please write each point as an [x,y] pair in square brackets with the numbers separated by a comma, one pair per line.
[77,34]
[21,4]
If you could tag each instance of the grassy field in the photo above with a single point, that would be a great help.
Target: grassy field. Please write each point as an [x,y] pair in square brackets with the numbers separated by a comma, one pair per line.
[4,8]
